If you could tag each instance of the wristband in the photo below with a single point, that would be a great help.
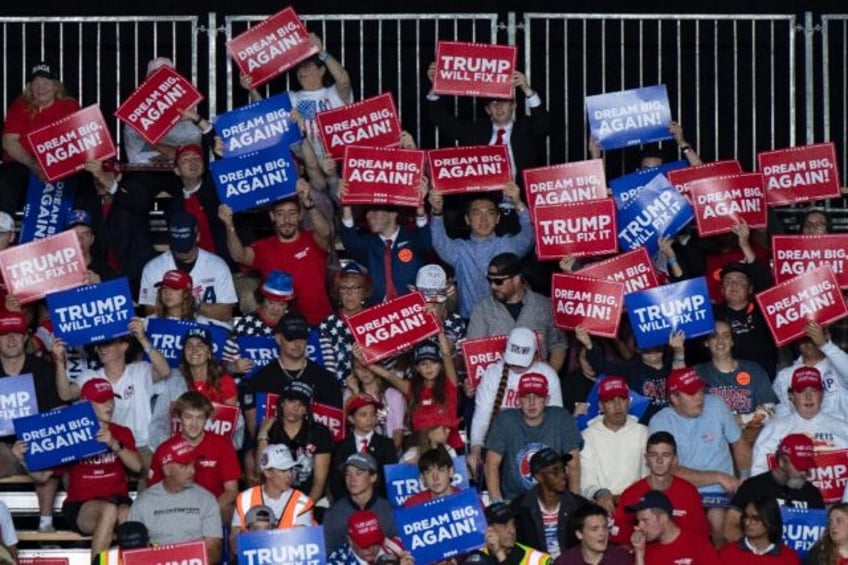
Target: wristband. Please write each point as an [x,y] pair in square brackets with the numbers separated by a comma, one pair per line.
[197,121]
[148,348]
[261,438]
[685,148]
[679,359]
[324,56]
[672,261]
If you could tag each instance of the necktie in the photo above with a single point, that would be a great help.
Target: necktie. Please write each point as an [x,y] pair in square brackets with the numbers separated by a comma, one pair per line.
[364,445]
[391,292]
[499,138]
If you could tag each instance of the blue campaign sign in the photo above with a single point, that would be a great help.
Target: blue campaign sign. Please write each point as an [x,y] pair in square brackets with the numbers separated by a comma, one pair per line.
[713,499]
[166,335]
[47,207]
[290,546]
[88,314]
[257,126]
[442,528]
[261,349]
[638,405]
[403,480]
[802,527]
[60,436]
[657,210]
[17,399]
[255,179]
[657,312]
[624,189]
[629,117]
[313,347]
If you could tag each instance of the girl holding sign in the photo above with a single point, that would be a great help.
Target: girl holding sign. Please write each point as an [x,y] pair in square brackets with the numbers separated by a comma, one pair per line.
[391,416]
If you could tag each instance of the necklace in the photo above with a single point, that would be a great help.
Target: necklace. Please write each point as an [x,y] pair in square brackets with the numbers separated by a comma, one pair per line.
[288,374]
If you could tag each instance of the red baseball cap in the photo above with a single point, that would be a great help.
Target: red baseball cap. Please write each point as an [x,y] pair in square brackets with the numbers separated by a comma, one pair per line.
[613,387]
[806,377]
[13,322]
[180,452]
[532,383]
[685,380]
[432,415]
[188,148]
[799,449]
[357,401]
[97,390]
[176,280]
[364,529]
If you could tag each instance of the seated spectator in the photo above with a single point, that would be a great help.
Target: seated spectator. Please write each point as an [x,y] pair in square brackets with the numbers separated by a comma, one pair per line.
[361,415]
[213,291]
[589,524]
[98,269]
[216,464]
[360,477]
[658,539]
[762,542]
[176,509]
[542,515]
[8,536]
[513,304]
[833,545]
[129,535]
[501,538]
[391,417]
[351,290]
[436,468]
[431,427]
[828,433]
[611,457]
[366,543]
[260,518]
[515,435]
[787,483]
[202,373]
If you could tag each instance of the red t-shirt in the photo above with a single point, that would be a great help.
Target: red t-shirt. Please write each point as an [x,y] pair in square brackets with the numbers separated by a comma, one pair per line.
[216,463]
[686,548]
[734,553]
[226,389]
[102,476]
[306,262]
[451,399]
[689,512]
[423,496]
[21,121]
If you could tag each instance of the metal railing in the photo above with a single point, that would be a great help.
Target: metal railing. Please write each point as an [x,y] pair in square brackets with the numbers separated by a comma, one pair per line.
[834,74]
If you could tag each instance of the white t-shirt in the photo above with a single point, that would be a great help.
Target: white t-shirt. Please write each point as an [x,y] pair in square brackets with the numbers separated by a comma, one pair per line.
[213,282]
[308,103]
[7,527]
[828,433]
[834,372]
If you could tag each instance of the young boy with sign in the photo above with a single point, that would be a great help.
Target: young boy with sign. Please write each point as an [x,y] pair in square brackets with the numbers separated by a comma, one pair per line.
[436,468]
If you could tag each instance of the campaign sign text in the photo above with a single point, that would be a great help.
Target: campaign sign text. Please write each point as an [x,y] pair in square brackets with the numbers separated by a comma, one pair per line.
[92,313]
[638,405]
[657,312]
[290,546]
[167,335]
[51,264]
[186,553]
[580,229]
[722,202]
[261,349]
[392,327]
[796,254]
[592,303]
[634,269]
[47,207]
[331,417]
[372,123]
[470,169]
[404,480]
[800,174]
[259,125]
[802,528]
[376,175]
[222,423]
[272,47]
[683,178]
[788,306]
[566,183]
[442,528]
[480,353]
[626,187]
[158,103]
[474,69]
[59,436]
[656,211]
[63,147]
[255,179]
[17,400]
[629,117]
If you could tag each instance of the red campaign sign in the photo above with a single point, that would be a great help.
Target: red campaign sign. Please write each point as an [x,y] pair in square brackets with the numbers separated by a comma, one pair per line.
[829,474]
[222,423]
[392,327]
[788,306]
[190,552]
[474,69]
[634,269]
[479,168]
[800,174]
[272,47]
[722,202]
[592,303]
[32,270]
[683,178]
[373,122]
[63,147]
[580,229]
[158,103]
[794,255]
[331,417]
[479,353]
[566,183]
[376,175]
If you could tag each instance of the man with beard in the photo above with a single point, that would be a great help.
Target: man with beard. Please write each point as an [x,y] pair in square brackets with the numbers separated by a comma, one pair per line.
[786,482]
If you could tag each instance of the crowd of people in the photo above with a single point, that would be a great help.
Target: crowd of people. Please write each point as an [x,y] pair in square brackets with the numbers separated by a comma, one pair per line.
[729,417]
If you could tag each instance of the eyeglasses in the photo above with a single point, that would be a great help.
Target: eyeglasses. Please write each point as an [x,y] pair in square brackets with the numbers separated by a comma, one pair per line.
[498,281]
[751,518]
[815,225]
[352,288]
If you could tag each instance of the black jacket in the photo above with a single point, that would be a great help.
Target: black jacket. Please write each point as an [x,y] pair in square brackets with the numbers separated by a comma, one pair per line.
[528,519]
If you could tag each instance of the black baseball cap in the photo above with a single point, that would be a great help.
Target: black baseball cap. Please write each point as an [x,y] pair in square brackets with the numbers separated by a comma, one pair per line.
[653,499]
[499,513]
[545,458]
[292,326]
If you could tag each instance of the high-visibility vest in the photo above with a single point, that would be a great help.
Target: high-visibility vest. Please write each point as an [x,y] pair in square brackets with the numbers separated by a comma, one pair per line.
[297,504]
[532,556]
[110,557]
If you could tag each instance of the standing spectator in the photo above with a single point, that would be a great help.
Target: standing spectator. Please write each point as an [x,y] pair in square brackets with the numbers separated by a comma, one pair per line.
[351,290]
[590,527]
[97,269]
[763,540]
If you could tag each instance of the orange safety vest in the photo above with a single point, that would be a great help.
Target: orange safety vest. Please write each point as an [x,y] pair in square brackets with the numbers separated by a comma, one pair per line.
[297,504]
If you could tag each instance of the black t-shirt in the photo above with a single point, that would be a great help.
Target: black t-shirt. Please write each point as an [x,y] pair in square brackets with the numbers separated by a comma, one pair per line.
[310,441]
[764,486]
[272,378]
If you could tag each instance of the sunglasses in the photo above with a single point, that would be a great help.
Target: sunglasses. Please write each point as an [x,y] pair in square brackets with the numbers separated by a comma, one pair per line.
[498,281]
